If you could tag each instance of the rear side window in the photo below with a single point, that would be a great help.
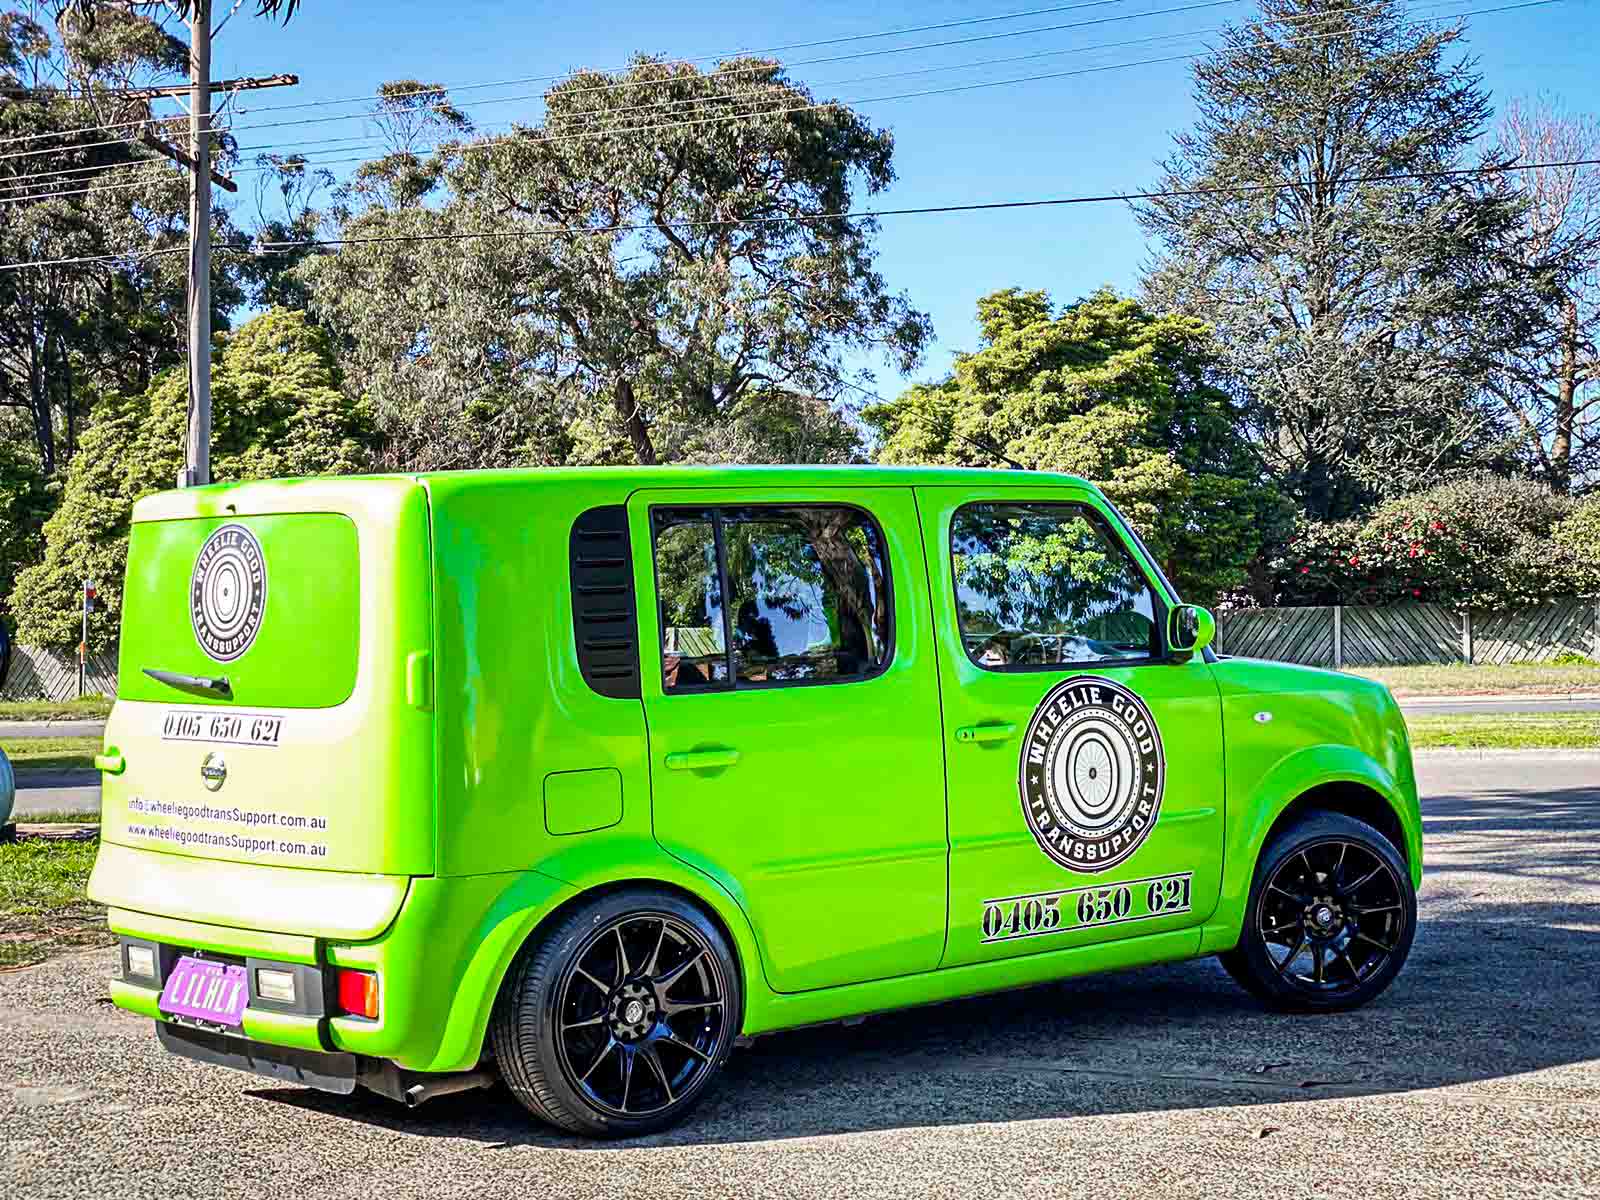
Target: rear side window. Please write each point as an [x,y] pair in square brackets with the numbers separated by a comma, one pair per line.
[1046,585]
[770,595]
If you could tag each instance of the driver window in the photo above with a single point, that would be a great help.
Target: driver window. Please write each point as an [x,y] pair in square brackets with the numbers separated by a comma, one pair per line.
[1044,585]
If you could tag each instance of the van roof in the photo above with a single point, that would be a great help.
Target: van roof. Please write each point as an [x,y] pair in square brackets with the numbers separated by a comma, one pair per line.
[207,500]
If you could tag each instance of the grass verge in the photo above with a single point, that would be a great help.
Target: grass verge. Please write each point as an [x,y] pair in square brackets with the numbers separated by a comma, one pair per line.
[43,909]
[1462,679]
[51,753]
[88,709]
[1506,731]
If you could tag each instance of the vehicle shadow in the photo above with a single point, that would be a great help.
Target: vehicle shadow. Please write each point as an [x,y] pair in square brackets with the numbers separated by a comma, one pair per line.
[1480,999]
[1501,982]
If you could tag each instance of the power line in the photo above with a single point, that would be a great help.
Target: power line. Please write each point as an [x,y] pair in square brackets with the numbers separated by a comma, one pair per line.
[439,90]
[587,135]
[809,62]
[1243,189]
[833,41]
[366,139]
[368,115]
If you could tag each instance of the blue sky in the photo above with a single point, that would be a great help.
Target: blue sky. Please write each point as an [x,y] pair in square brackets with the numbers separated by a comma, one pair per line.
[1092,133]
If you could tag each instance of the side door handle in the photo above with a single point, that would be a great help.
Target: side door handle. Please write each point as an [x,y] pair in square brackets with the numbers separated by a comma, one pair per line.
[994,734]
[699,760]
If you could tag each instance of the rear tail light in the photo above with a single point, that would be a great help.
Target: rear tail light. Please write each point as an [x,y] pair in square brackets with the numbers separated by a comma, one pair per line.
[358,993]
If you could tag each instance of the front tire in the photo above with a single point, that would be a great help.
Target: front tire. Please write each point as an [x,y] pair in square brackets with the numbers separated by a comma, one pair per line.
[615,1022]
[1331,917]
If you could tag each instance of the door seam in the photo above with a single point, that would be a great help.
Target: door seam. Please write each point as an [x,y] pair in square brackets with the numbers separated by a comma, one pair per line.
[944,738]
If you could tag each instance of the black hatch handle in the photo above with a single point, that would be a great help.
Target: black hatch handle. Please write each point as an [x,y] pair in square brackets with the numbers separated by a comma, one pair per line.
[192,683]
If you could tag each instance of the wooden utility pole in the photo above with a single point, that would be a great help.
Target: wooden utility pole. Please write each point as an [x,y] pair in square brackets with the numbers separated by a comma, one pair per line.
[197,461]
[196,471]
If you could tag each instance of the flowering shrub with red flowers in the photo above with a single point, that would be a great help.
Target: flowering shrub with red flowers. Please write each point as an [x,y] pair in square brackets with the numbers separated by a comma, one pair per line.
[1480,542]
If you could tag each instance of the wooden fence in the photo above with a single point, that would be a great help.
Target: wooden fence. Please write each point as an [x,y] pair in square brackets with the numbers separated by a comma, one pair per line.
[53,674]
[1355,636]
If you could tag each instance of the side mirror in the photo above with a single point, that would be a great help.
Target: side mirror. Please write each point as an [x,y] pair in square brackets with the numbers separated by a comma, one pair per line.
[1190,629]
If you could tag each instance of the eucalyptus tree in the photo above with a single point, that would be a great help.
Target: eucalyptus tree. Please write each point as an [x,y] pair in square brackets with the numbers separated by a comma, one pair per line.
[661,253]
[70,189]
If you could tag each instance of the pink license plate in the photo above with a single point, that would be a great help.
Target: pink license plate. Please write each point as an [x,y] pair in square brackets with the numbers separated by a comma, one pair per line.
[206,991]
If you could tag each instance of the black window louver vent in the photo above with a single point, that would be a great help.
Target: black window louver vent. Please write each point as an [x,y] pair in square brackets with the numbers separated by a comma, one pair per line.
[604,617]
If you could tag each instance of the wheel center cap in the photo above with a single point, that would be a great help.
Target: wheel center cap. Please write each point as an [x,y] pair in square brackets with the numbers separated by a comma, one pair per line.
[633,1012]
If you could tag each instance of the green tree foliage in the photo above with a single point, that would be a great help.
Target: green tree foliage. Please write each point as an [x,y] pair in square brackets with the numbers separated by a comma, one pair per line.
[707,278]
[1366,318]
[72,331]
[23,507]
[277,410]
[1481,541]
[1113,393]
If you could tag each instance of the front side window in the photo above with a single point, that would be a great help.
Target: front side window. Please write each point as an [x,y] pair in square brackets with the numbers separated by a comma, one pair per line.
[1042,585]
[770,595]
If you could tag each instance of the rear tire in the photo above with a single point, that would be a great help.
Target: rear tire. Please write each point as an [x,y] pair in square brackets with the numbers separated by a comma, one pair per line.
[1331,917]
[616,1021]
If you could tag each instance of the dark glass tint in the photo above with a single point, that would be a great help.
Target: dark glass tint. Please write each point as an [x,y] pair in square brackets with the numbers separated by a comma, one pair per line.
[1042,585]
[807,586]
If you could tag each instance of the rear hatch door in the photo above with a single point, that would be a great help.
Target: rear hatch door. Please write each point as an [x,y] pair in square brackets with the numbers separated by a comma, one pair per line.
[312,600]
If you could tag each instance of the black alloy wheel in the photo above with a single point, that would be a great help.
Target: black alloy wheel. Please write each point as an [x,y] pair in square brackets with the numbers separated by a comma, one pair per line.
[617,1021]
[1331,918]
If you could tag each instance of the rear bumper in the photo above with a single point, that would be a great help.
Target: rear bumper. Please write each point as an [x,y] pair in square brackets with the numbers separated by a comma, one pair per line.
[336,905]
[439,965]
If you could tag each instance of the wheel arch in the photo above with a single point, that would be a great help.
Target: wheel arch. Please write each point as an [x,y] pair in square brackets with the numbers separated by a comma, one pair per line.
[530,906]
[1348,797]
[1330,777]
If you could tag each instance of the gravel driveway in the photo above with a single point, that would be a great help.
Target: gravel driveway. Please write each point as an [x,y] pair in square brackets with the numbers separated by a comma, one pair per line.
[1475,1075]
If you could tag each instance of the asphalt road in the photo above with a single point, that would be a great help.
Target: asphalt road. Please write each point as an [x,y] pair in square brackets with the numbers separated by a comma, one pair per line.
[1476,1074]
[56,791]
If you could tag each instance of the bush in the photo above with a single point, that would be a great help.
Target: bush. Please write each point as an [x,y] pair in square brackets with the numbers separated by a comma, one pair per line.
[1479,542]
[1577,535]
[277,410]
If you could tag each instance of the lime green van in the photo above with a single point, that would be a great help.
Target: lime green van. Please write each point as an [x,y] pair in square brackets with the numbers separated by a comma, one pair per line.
[575,778]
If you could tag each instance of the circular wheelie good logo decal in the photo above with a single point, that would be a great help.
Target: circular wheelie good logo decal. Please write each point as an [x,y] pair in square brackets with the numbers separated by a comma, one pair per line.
[1091,774]
[228,592]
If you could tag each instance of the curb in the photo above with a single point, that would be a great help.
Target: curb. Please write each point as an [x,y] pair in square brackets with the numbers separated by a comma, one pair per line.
[1495,698]
[65,727]
[1447,753]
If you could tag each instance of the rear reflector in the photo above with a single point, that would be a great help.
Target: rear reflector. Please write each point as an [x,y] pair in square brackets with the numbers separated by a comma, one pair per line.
[272,984]
[358,993]
[142,961]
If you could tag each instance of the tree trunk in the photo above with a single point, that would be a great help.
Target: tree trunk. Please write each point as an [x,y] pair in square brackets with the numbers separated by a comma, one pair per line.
[39,405]
[644,451]
[1566,401]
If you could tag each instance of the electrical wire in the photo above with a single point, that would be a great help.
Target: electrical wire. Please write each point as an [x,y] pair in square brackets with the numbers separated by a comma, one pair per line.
[588,135]
[367,139]
[280,247]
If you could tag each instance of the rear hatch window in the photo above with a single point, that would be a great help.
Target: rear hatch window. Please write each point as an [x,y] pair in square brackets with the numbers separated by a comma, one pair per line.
[196,604]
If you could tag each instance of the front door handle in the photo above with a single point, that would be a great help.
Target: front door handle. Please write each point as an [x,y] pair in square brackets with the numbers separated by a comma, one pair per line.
[986,734]
[699,760]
